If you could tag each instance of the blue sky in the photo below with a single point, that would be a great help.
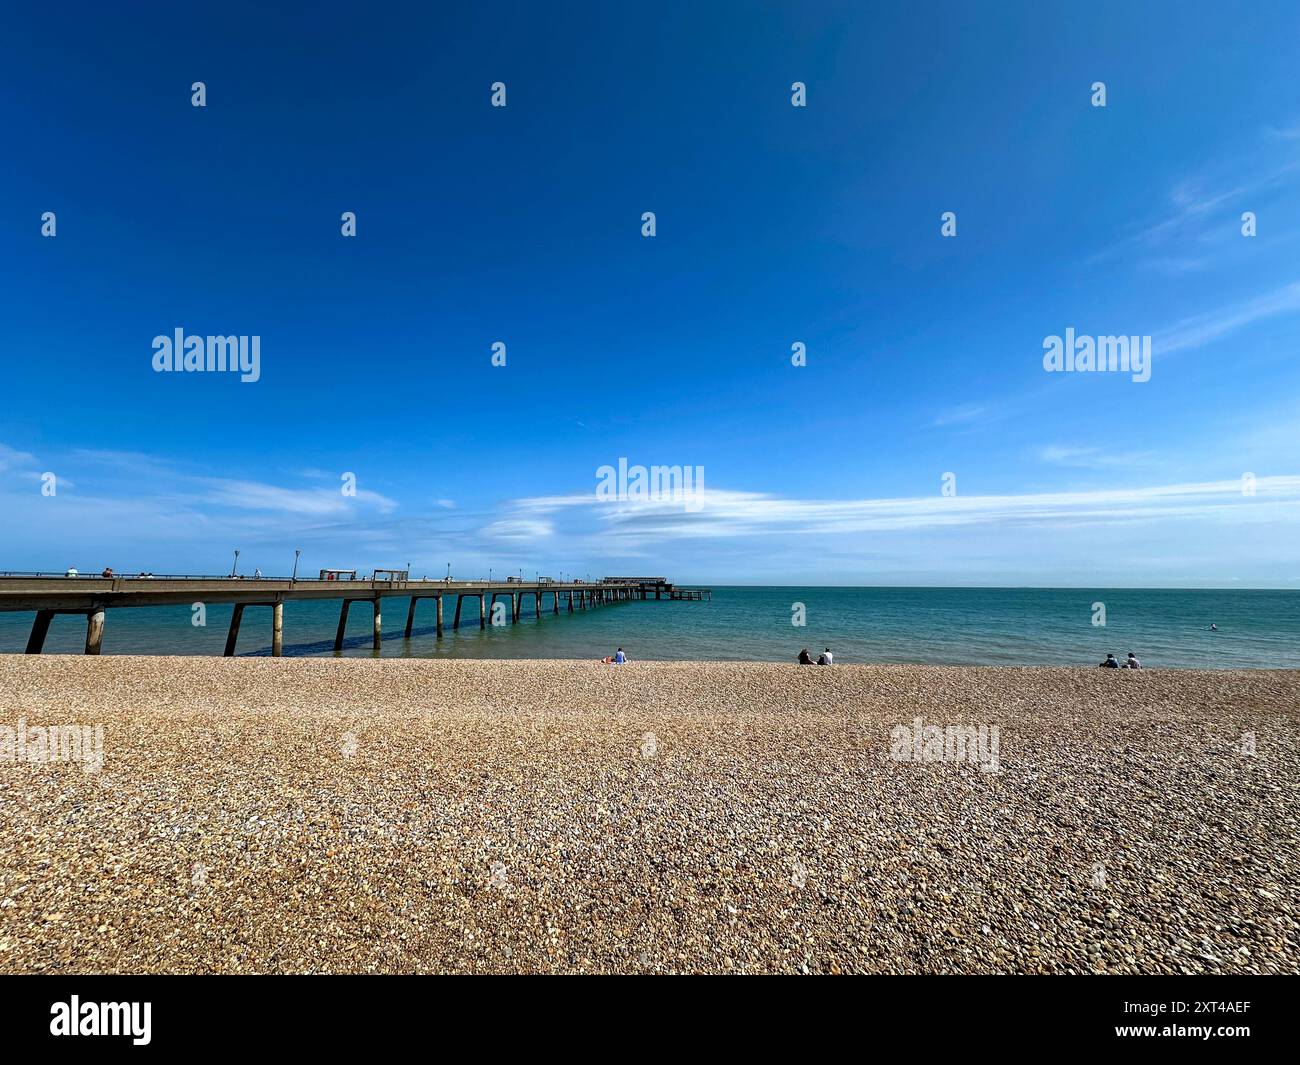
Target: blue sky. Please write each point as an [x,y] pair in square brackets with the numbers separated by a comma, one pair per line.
[775,224]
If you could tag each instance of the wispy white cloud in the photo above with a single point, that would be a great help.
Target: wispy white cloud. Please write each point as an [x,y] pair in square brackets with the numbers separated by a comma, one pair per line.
[318,502]
[123,479]
[518,529]
[1201,329]
[13,459]
[1093,458]
[734,514]
[1193,202]
[966,414]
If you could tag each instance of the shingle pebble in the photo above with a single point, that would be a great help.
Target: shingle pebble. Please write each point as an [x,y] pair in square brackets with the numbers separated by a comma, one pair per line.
[316,815]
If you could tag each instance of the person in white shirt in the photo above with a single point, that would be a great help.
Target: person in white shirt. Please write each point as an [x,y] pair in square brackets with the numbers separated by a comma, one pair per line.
[826,658]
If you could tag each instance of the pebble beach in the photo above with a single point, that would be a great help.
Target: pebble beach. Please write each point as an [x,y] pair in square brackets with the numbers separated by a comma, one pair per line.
[327,816]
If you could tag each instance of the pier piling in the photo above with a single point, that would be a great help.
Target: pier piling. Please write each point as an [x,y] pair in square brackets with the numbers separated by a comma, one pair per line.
[40,627]
[277,630]
[343,625]
[94,631]
[232,637]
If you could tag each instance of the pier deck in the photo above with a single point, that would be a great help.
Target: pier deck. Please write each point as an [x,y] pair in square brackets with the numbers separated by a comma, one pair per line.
[49,594]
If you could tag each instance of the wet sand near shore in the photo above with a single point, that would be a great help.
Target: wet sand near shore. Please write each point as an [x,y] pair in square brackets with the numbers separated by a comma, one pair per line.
[307,815]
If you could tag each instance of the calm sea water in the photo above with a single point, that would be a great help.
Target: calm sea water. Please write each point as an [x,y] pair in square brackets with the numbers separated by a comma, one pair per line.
[962,626]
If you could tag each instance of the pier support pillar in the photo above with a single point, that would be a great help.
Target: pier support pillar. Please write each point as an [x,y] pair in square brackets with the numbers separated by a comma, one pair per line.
[555,602]
[410,616]
[455,621]
[343,625]
[537,603]
[236,616]
[94,631]
[379,624]
[515,598]
[482,612]
[438,600]
[570,602]
[40,626]
[277,630]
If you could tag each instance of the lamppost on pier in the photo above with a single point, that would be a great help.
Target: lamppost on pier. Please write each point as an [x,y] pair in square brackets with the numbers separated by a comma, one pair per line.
[235,567]
[448,571]
[296,552]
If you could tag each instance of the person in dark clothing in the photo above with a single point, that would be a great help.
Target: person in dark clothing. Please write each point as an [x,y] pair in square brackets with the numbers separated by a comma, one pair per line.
[1110,663]
[805,659]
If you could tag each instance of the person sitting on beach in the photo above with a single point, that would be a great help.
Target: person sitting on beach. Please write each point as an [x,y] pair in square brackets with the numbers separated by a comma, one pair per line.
[1132,662]
[619,657]
[805,659]
[1110,663]
[825,658]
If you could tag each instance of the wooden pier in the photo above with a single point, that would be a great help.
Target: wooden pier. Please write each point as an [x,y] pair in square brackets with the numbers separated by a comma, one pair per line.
[93,597]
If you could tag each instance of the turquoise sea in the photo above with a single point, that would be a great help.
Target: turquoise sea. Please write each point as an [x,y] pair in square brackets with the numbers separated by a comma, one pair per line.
[976,626]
